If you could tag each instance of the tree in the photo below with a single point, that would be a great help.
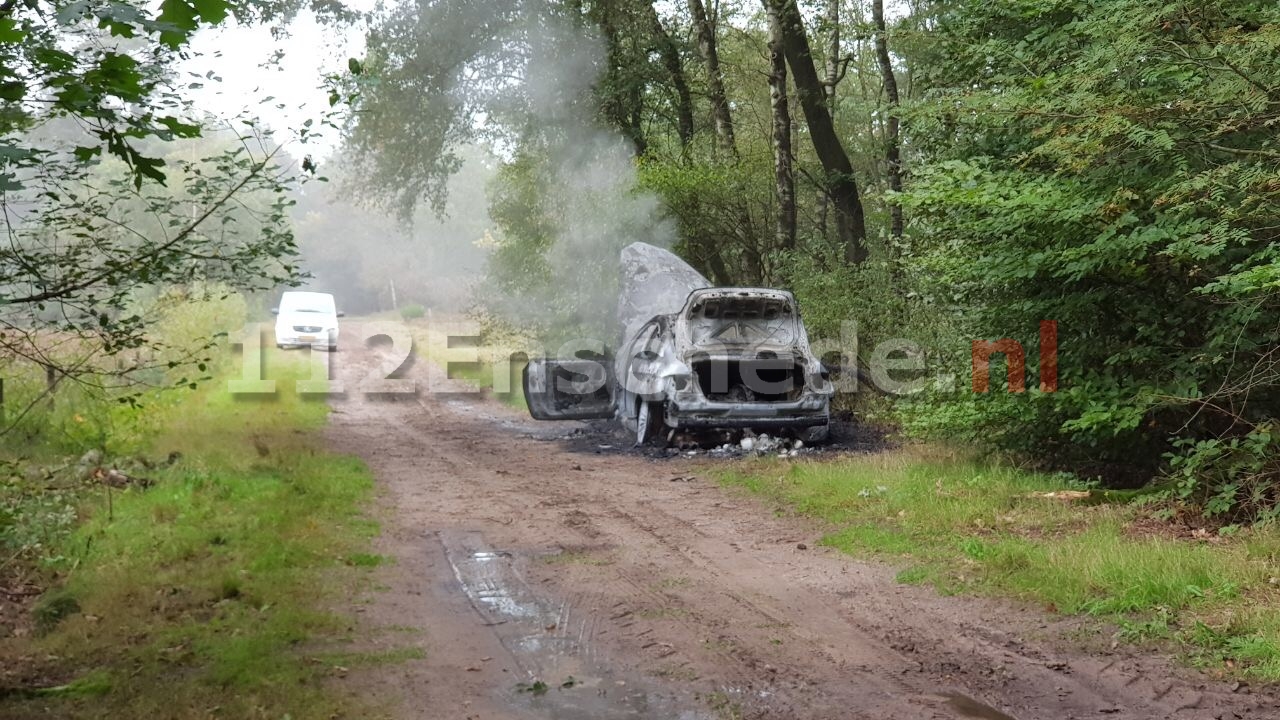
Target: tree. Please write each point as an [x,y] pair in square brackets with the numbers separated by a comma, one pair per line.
[1113,167]
[705,30]
[893,150]
[840,183]
[674,64]
[784,178]
[94,212]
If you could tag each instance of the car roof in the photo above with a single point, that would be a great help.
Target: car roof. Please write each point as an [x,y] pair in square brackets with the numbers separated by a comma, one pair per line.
[306,293]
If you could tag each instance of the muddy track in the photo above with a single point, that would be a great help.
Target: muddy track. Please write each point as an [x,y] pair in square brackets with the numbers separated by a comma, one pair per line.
[633,592]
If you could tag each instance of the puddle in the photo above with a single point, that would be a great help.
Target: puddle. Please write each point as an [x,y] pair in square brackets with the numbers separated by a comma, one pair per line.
[970,708]
[551,642]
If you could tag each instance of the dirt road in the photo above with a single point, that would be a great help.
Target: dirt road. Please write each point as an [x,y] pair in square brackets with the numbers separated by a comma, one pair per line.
[545,581]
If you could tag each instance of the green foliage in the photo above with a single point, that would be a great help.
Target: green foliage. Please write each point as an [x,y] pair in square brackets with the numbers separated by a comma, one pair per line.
[184,343]
[1229,478]
[204,586]
[1109,166]
[721,209]
[413,312]
[43,487]
[553,267]
[117,94]
[34,518]
[100,209]
[1112,167]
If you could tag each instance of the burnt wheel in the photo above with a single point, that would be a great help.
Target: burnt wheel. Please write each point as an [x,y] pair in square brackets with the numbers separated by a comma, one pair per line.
[816,435]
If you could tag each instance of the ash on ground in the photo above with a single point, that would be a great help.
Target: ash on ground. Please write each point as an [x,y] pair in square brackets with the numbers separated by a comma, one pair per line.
[606,436]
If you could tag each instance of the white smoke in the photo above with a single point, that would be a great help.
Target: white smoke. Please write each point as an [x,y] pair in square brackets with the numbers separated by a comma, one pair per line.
[587,171]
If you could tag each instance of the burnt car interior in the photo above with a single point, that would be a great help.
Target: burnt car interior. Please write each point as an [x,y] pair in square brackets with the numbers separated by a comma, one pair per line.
[763,378]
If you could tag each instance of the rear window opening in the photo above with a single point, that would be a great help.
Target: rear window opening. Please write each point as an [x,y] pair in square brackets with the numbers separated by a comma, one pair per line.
[761,379]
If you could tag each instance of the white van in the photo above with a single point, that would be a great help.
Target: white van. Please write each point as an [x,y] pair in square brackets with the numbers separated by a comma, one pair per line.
[307,319]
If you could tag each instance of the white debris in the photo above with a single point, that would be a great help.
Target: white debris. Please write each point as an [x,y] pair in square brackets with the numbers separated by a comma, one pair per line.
[748,443]
[765,444]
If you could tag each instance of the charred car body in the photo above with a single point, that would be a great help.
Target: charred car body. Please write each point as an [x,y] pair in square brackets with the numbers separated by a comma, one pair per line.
[728,359]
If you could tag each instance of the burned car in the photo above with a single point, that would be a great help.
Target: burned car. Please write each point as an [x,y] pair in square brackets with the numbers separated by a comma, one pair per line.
[727,359]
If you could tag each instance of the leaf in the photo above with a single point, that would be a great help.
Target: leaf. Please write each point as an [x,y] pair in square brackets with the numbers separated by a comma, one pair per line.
[72,12]
[179,128]
[212,11]
[13,91]
[181,19]
[84,153]
[9,32]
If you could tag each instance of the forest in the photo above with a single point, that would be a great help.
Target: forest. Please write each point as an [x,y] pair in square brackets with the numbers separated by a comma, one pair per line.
[196,524]
[945,172]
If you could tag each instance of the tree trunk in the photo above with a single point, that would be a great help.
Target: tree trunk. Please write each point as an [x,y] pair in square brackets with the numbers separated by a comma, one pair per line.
[670,55]
[893,149]
[784,179]
[709,257]
[622,106]
[841,185]
[707,47]
[832,21]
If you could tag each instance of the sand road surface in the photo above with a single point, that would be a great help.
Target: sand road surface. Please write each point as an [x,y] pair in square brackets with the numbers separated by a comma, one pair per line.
[552,579]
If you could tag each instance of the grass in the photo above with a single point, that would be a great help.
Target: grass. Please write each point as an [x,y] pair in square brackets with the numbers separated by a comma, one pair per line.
[210,592]
[433,343]
[966,526]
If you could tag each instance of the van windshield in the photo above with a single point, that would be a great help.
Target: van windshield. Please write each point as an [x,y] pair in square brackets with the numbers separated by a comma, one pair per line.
[319,303]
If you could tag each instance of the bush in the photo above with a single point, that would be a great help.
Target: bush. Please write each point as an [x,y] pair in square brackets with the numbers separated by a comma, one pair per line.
[1235,479]
[1060,184]
[413,312]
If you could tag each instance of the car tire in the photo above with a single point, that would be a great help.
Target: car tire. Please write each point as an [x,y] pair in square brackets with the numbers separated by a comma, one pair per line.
[815,435]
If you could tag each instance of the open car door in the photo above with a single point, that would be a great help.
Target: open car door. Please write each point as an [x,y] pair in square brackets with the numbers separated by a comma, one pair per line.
[568,389]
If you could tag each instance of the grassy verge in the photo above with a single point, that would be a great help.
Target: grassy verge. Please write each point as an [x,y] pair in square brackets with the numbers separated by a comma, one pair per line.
[964,526]
[432,343]
[206,594]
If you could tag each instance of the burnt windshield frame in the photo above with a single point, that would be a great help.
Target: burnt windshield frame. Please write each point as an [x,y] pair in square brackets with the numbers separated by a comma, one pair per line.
[772,321]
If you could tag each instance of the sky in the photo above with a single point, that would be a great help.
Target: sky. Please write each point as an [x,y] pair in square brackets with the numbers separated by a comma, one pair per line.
[283,91]
[286,91]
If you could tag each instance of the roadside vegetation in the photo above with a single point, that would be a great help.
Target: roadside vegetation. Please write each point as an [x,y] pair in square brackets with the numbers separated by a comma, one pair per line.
[166,550]
[477,360]
[967,526]
[182,554]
